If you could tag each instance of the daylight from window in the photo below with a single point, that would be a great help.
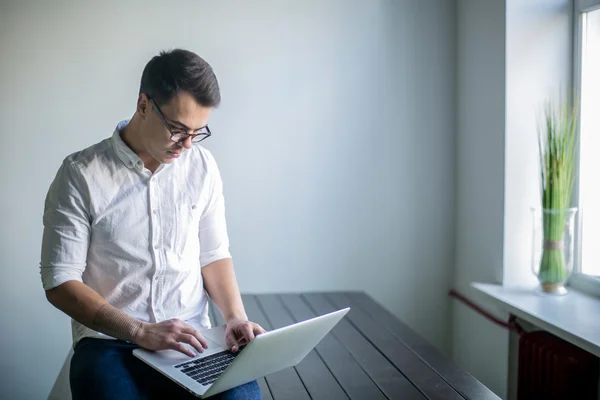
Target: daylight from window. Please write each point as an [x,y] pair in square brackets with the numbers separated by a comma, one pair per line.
[589,189]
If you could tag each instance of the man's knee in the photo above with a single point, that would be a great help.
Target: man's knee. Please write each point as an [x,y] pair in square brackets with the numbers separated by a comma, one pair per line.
[249,391]
[100,371]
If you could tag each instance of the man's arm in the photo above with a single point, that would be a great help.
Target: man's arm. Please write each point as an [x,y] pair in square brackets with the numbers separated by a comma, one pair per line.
[65,245]
[221,285]
[85,305]
[217,266]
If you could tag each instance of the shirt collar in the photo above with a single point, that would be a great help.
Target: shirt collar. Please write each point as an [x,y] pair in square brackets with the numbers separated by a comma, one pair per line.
[125,154]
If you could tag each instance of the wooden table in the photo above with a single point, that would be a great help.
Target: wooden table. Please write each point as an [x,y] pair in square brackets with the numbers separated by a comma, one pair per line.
[370,354]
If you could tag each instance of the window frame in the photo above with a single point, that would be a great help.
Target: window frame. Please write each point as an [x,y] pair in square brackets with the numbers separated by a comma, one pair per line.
[578,280]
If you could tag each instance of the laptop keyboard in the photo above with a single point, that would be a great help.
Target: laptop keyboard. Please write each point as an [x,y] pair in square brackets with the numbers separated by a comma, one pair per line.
[206,370]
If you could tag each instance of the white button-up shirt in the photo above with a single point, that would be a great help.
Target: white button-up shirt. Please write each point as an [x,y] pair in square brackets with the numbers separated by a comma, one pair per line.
[138,239]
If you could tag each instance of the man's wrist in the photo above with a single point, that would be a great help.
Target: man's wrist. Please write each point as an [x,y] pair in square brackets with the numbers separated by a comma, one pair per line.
[139,333]
[234,317]
[116,323]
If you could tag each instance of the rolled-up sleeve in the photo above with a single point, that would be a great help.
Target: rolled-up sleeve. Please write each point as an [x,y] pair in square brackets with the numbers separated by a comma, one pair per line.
[66,228]
[214,241]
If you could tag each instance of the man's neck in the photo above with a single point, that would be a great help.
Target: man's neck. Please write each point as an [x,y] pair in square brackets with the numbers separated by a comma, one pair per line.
[131,135]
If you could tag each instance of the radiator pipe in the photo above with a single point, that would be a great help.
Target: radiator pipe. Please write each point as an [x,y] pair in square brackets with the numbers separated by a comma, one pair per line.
[511,325]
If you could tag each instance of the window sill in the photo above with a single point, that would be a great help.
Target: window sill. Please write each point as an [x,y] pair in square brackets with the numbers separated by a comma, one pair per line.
[573,317]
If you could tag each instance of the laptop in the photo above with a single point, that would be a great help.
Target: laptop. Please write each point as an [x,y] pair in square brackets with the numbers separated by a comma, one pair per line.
[218,369]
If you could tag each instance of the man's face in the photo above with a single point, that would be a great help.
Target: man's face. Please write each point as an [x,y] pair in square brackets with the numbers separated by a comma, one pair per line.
[182,115]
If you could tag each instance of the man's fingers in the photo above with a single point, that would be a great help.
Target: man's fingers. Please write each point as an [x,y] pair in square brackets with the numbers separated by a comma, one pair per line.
[241,333]
[258,329]
[231,342]
[191,340]
[247,333]
[197,335]
[180,347]
[201,339]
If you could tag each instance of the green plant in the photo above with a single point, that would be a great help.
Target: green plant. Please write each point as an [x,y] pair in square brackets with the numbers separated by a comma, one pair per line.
[557,147]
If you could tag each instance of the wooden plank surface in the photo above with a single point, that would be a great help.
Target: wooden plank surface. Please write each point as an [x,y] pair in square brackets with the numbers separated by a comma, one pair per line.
[347,371]
[419,373]
[463,382]
[285,384]
[387,377]
[370,354]
[315,375]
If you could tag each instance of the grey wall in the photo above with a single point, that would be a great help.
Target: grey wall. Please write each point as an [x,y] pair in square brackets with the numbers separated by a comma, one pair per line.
[479,346]
[335,141]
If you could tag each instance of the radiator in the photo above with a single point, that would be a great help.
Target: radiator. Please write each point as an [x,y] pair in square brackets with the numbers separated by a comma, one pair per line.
[550,368]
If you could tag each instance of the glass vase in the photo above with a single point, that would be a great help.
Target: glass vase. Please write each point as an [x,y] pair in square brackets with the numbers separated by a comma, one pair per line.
[553,248]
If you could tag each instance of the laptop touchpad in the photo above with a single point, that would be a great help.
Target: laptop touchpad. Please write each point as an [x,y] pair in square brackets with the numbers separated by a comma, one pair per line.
[215,336]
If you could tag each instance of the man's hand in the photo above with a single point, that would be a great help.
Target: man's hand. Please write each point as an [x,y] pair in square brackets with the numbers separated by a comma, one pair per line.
[240,332]
[170,334]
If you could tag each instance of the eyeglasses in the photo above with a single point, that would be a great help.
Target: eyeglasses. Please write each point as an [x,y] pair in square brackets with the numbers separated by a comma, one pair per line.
[178,136]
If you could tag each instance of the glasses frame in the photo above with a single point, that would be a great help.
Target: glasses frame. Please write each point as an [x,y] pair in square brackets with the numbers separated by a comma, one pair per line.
[202,136]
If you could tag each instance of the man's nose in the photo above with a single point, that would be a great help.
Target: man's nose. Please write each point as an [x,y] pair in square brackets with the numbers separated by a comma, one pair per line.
[187,143]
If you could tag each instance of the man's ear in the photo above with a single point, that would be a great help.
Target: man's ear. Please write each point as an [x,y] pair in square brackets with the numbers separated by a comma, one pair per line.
[143,106]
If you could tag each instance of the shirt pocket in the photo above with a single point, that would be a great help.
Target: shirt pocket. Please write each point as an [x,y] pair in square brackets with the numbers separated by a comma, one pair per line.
[187,223]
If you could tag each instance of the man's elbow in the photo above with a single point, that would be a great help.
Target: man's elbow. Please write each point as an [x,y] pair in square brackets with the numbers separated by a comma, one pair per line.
[63,293]
[51,295]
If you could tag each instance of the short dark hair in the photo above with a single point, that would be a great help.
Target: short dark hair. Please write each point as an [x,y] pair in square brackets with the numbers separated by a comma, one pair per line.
[178,70]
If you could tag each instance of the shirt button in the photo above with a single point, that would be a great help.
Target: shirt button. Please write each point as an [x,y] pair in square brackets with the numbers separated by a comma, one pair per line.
[156,246]
[154,212]
[194,207]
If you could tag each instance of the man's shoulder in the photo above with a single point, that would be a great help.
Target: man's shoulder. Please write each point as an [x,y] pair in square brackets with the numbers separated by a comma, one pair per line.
[84,158]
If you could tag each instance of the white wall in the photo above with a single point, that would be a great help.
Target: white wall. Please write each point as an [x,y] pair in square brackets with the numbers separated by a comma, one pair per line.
[538,66]
[512,55]
[335,141]
[539,61]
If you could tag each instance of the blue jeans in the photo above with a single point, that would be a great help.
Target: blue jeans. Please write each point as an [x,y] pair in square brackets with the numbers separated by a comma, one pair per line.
[107,369]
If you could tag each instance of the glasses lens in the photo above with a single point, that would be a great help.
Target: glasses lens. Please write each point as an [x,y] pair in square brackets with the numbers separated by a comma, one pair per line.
[178,137]
[199,138]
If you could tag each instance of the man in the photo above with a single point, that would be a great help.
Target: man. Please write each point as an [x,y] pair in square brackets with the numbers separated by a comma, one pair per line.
[135,239]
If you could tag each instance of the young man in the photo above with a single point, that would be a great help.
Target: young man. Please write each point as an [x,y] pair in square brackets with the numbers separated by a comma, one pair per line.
[135,238]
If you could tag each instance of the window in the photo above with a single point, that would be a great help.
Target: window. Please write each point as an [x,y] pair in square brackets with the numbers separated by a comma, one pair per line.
[587,83]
